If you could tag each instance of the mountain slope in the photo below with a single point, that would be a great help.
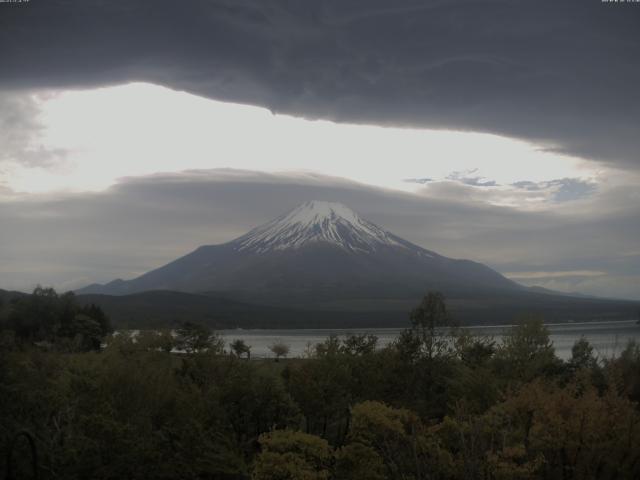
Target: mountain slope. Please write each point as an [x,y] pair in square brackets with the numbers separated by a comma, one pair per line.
[318,252]
[321,265]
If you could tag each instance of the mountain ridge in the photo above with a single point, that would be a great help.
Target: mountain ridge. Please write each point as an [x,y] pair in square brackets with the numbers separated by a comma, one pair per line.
[316,247]
[160,308]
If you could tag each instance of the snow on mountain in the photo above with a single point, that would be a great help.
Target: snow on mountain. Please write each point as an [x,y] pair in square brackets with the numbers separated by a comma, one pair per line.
[317,221]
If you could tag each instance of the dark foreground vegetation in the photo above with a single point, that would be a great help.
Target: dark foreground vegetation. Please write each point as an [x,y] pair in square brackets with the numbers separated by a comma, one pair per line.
[433,405]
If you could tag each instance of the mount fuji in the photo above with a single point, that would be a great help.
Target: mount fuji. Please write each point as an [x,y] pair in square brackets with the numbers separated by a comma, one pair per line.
[321,265]
[319,251]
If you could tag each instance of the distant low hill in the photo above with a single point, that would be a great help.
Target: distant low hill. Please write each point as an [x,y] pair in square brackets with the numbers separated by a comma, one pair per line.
[165,309]
[160,308]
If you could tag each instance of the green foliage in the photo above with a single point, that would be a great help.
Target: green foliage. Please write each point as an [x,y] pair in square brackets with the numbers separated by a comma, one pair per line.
[402,442]
[321,387]
[474,409]
[352,344]
[374,423]
[290,455]
[359,344]
[255,400]
[279,349]
[431,312]
[330,347]
[240,348]
[474,351]
[547,431]
[356,461]
[194,337]
[582,354]
[135,414]
[526,351]
[624,371]
[430,334]
[388,432]
[153,340]
[57,321]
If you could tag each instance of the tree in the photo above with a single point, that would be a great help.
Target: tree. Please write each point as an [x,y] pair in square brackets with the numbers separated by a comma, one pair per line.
[58,320]
[279,349]
[582,355]
[375,423]
[431,312]
[473,350]
[290,455]
[88,334]
[624,371]
[239,347]
[330,347]
[358,462]
[94,311]
[164,341]
[357,345]
[526,351]
[194,337]
[322,388]
[153,340]
[398,438]
[576,431]
[36,317]
[427,320]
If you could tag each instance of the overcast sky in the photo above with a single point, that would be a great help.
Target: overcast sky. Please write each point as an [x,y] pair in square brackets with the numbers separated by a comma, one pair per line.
[506,132]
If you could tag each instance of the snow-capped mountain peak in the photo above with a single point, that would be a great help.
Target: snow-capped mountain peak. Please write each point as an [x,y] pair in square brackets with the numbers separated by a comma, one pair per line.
[313,222]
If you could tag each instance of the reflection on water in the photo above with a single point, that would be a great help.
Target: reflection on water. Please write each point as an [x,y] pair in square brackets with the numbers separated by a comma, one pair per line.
[607,338]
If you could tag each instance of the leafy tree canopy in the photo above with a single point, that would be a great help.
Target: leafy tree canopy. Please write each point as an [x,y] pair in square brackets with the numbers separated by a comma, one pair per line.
[46,317]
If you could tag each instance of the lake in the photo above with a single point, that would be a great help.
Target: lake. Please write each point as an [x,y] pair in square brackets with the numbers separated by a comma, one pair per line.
[607,338]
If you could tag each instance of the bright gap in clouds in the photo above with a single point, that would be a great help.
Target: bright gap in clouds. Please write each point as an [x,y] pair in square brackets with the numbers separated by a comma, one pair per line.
[139,129]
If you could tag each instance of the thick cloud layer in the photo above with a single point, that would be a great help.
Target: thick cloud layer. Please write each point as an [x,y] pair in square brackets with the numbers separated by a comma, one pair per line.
[142,223]
[561,73]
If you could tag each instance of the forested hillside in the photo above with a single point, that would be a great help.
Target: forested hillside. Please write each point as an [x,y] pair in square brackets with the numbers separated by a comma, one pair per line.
[432,405]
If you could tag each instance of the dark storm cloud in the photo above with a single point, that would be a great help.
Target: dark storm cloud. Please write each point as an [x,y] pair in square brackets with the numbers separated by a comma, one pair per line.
[142,223]
[562,73]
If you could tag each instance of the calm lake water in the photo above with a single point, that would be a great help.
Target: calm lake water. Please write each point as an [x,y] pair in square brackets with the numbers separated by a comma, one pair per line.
[607,338]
